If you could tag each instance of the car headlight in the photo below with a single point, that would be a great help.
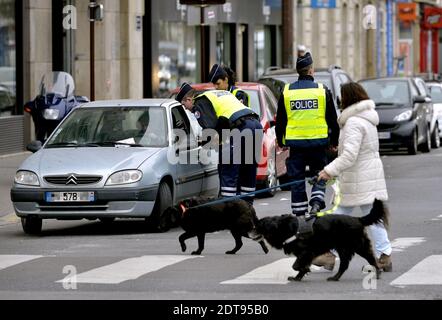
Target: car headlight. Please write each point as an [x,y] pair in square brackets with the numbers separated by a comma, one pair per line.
[26,178]
[124,177]
[404,116]
[51,114]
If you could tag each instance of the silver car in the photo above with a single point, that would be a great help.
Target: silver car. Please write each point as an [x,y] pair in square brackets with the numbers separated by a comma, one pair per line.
[111,159]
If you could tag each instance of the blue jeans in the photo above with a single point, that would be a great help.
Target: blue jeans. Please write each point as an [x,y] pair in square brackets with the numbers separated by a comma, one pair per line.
[378,233]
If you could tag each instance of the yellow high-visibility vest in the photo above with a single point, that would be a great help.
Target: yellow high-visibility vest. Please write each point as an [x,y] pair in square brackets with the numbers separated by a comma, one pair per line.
[225,104]
[305,113]
[234,92]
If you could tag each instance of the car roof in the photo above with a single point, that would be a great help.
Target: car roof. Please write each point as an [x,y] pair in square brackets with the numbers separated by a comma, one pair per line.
[130,103]
[210,86]
[387,79]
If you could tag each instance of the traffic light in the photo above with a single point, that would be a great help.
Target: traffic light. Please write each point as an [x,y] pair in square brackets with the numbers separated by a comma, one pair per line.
[202,2]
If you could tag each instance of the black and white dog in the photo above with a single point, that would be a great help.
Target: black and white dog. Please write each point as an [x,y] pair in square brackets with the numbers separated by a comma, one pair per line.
[238,216]
[343,233]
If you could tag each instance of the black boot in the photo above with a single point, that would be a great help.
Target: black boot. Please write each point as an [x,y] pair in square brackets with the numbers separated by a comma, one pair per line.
[316,207]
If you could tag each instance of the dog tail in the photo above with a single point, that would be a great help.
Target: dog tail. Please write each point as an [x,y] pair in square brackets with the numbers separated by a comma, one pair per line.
[378,214]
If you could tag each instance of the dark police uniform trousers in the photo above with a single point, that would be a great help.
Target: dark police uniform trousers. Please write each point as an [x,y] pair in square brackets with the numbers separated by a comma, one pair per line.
[238,164]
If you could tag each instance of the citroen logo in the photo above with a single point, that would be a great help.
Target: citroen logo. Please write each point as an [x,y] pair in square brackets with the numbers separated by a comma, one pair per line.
[72,179]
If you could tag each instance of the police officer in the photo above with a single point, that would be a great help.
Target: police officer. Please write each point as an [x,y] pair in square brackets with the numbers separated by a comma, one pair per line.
[307,123]
[224,78]
[220,110]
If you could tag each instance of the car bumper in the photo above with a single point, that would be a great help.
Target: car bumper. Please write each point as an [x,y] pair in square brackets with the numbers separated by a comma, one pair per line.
[117,203]
[400,135]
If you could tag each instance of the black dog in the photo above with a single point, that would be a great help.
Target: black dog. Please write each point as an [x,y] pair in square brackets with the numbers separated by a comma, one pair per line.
[343,233]
[238,216]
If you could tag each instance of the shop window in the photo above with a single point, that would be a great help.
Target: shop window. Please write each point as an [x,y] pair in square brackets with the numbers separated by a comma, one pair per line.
[7,58]
[177,56]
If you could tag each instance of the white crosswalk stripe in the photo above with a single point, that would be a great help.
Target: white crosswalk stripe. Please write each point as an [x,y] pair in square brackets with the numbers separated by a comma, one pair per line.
[426,272]
[400,244]
[8,260]
[128,269]
[273,273]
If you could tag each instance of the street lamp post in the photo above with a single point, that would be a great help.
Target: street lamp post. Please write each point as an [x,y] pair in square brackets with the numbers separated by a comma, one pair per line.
[96,13]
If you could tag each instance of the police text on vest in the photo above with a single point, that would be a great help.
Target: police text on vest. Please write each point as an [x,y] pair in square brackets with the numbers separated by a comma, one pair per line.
[309,104]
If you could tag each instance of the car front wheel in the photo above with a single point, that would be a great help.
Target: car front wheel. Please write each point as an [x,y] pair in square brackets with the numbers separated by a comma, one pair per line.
[272,180]
[435,139]
[163,201]
[426,146]
[32,225]
[412,145]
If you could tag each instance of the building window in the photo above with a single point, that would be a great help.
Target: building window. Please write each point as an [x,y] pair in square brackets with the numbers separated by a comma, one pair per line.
[7,58]
[177,56]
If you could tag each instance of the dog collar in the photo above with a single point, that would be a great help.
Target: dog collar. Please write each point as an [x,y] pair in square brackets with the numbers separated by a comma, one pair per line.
[292,238]
[183,209]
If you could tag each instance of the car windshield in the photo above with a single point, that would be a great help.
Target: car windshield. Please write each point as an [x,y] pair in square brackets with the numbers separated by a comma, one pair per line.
[387,93]
[321,78]
[112,127]
[436,94]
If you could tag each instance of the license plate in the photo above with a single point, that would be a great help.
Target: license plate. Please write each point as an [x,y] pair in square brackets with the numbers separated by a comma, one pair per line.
[384,135]
[70,196]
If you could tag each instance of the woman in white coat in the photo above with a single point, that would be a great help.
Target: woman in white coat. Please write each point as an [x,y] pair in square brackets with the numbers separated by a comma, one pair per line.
[358,165]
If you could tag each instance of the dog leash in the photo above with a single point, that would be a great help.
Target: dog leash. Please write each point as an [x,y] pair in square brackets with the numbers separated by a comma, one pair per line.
[237,197]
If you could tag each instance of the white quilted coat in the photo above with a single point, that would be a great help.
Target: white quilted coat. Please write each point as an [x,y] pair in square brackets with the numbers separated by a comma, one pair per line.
[358,165]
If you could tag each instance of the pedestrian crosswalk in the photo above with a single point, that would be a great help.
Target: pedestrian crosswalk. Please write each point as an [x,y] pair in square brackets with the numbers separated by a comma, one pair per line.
[428,271]
[124,270]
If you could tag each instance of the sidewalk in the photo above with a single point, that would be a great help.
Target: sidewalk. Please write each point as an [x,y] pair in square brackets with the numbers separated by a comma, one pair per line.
[8,167]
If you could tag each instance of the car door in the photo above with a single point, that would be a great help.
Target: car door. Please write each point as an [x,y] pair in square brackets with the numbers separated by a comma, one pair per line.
[425,109]
[281,153]
[189,170]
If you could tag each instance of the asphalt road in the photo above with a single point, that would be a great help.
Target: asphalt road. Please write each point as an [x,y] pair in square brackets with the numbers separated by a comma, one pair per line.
[122,261]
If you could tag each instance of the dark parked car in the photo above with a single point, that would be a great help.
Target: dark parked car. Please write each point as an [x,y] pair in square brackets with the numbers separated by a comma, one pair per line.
[405,111]
[333,77]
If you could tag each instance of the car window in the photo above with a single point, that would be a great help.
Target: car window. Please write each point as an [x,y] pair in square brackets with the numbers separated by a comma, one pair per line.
[271,102]
[388,92]
[422,88]
[325,80]
[344,78]
[436,94]
[255,103]
[180,121]
[144,126]
[414,89]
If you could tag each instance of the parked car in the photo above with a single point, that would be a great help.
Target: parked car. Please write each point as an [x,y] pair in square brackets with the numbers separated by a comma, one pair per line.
[272,166]
[435,89]
[404,110]
[111,159]
[333,77]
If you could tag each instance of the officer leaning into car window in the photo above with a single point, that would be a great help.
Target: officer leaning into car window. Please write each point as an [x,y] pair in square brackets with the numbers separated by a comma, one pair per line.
[306,122]
[224,78]
[220,110]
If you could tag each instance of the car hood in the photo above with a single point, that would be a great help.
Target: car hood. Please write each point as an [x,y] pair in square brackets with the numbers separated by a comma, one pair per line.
[387,113]
[92,161]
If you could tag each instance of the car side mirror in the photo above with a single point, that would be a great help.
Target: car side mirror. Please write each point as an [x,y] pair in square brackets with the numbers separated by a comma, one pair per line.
[34,146]
[419,99]
[428,99]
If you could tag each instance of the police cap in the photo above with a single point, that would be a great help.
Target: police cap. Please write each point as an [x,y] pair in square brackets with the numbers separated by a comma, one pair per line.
[304,61]
[217,72]
[185,88]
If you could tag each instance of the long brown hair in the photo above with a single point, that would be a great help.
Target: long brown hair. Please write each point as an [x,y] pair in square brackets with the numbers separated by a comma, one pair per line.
[352,93]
